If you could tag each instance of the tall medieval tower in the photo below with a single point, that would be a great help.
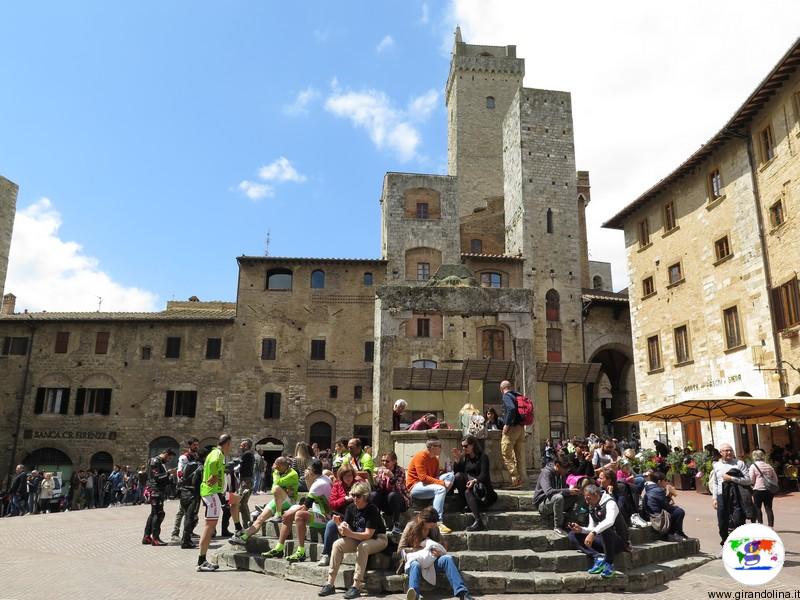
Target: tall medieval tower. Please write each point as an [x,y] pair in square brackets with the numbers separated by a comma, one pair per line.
[480,87]
[8,205]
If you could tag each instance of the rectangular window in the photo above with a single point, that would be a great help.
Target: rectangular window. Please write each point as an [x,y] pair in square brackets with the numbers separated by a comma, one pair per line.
[733,334]
[422,210]
[555,400]
[317,349]
[358,392]
[369,351]
[213,348]
[654,353]
[15,346]
[714,185]
[675,273]
[423,271]
[101,342]
[648,286]
[776,215]
[722,248]
[786,302]
[173,347]
[682,352]
[476,246]
[269,347]
[52,401]
[491,280]
[644,233]
[766,143]
[423,328]
[62,342]
[146,352]
[272,405]
[553,344]
[669,217]
[93,401]
[333,391]
[181,403]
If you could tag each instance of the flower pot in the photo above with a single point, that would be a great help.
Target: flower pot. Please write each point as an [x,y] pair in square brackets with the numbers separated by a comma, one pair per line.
[682,481]
[699,487]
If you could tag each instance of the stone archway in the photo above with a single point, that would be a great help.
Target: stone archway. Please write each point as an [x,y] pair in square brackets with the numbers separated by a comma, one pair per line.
[158,445]
[320,428]
[608,398]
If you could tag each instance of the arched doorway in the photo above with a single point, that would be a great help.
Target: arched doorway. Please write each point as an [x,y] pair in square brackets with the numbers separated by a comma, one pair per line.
[269,448]
[607,398]
[158,445]
[102,461]
[321,434]
[51,460]
[209,443]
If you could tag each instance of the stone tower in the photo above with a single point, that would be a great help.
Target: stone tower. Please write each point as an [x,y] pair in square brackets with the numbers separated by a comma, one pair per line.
[8,206]
[480,87]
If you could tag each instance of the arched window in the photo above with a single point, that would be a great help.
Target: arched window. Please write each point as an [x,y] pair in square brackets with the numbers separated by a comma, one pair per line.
[476,246]
[597,282]
[490,102]
[553,306]
[317,279]
[279,279]
[102,461]
[320,433]
[549,220]
[367,279]
[491,280]
[424,364]
[493,344]
[158,445]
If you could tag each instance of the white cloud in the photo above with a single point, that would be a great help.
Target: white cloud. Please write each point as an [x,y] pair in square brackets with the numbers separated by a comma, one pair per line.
[648,85]
[387,43]
[280,169]
[388,127]
[302,100]
[425,16]
[48,273]
[254,190]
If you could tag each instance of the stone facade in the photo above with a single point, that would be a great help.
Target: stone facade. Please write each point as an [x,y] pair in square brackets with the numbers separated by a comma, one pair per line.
[703,276]
[8,203]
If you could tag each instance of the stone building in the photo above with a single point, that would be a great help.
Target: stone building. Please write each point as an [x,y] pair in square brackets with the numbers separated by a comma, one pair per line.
[713,251]
[8,203]
[483,276]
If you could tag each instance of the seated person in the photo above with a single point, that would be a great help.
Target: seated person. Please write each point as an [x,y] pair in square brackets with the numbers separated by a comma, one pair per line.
[339,501]
[285,482]
[361,461]
[416,539]
[581,463]
[552,495]
[391,494]
[601,540]
[424,422]
[425,478]
[656,499]
[472,479]
[313,511]
[361,531]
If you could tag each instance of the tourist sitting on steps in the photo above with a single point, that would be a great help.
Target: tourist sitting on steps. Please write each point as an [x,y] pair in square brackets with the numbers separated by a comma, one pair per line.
[362,531]
[312,511]
[656,499]
[391,493]
[423,552]
[601,540]
[552,495]
[426,479]
[472,479]
[339,501]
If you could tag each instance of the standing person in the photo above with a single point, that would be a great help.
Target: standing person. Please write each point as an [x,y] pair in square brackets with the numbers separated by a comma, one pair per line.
[258,471]
[246,468]
[190,455]
[88,489]
[189,495]
[18,492]
[512,442]
[34,482]
[419,536]
[302,458]
[465,417]
[112,485]
[719,475]
[398,409]
[552,495]
[361,531]
[141,479]
[472,479]
[761,471]
[157,479]
[600,540]
[46,493]
[361,461]
[212,494]
[493,422]
[102,492]
[425,478]
[391,494]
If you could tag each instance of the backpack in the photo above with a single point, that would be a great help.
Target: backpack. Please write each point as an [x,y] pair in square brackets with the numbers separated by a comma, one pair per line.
[477,427]
[190,476]
[524,409]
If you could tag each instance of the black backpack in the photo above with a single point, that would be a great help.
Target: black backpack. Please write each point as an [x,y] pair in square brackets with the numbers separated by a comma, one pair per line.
[191,475]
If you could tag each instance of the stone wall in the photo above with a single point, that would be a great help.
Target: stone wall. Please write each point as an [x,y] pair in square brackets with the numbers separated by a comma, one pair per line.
[487,225]
[8,204]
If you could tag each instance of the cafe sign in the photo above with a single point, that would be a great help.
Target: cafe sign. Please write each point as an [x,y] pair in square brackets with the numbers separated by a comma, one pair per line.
[712,383]
[53,434]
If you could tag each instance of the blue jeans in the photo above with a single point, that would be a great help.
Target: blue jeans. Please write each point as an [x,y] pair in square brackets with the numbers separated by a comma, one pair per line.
[331,535]
[444,564]
[426,491]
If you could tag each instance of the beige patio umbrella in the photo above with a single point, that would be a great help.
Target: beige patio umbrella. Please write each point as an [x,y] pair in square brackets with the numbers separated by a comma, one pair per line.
[651,417]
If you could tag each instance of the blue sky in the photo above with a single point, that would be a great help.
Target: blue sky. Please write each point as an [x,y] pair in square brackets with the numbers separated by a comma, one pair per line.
[155,142]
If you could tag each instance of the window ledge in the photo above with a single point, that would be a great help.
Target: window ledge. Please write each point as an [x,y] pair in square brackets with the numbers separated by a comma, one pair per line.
[650,295]
[724,259]
[656,371]
[778,228]
[677,283]
[645,247]
[735,348]
[715,202]
[684,363]
[278,290]
[765,165]
[671,231]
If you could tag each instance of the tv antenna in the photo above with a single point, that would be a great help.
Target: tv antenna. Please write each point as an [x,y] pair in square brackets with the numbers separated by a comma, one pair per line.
[99,303]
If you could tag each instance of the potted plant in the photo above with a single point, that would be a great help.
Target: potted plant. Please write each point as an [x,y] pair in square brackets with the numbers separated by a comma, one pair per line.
[678,471]
[704,466]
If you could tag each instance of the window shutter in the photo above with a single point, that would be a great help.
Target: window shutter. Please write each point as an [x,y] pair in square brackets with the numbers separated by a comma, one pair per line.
[65,402]
[106,404]
[39,407]
[266,405]
[80,398]
[777,307]
[193,405]
[170,402]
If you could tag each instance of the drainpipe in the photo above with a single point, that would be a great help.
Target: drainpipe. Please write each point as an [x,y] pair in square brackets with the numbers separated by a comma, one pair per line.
[21,405]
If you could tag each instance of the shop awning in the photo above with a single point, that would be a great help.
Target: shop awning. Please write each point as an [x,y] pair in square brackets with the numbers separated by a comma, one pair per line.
[561,372]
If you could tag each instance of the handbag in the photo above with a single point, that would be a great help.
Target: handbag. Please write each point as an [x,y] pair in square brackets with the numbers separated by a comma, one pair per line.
[660,522]
[772,485]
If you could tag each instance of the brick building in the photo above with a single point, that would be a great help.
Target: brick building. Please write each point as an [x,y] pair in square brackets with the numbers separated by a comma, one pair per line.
[483,276]
[713,253]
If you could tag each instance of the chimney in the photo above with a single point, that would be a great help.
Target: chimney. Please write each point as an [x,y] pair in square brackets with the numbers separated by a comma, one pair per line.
[8,305]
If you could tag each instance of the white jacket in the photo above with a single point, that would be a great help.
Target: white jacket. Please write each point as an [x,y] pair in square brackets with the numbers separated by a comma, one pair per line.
[426,560]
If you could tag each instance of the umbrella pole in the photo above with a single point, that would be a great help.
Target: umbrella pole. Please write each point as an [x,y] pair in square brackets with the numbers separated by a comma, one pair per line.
[711,427]
[666,432]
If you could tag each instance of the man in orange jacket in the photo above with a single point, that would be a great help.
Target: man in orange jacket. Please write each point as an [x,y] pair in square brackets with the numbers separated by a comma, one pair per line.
[425,478]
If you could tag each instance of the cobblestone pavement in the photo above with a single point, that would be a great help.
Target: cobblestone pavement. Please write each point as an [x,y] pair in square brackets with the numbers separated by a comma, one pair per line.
[96,554]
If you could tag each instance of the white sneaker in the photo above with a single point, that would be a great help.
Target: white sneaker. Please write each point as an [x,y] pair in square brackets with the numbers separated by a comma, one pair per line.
[560,532]
[208,567]
[324,560]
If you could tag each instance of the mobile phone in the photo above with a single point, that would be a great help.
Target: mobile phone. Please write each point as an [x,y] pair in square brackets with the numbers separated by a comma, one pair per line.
[337,519]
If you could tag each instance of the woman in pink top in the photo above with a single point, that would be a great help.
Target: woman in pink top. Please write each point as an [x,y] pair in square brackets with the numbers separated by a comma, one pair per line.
[761,495]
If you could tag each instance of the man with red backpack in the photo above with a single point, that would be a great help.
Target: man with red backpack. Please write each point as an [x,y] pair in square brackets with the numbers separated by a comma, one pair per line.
[512,442]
